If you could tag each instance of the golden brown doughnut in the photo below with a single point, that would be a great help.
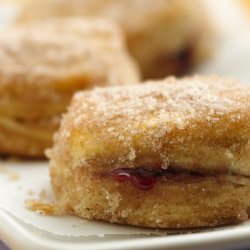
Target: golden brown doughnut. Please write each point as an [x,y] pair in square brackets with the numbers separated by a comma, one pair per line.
[43,64]
[167,154]
[165,36]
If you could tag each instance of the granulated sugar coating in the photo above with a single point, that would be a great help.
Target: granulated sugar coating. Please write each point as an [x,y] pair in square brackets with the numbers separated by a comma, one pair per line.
[168,154]
[56,53]
[199,123]
[164,36]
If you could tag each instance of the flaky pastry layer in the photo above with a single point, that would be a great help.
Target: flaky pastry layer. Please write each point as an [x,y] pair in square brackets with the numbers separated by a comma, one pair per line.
[26,138]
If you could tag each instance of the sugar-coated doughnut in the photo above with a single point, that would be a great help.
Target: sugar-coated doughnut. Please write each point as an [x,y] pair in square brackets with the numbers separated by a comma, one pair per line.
[165,36]
[43,64]
[168,154]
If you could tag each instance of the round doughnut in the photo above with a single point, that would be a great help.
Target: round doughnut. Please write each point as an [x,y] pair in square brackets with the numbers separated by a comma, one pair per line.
[164,36]
[173,153]
[43,64]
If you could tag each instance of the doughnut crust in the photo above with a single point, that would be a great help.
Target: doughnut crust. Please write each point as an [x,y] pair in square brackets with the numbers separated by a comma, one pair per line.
[164,36]
[43,64]
[187,137]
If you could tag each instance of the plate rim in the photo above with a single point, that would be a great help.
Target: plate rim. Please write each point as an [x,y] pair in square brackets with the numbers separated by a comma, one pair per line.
[17,236]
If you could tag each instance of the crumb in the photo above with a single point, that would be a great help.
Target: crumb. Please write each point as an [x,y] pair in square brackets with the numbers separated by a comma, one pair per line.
[42,195]
[30,192]
[14,177]
[44,208]
[11,175]
[84,221]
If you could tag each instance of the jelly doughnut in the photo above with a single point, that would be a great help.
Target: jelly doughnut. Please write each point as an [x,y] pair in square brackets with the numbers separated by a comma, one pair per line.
[173,153]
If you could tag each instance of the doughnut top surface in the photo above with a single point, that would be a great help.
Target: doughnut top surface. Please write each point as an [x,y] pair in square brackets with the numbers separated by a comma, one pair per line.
[59,53]
[198,123]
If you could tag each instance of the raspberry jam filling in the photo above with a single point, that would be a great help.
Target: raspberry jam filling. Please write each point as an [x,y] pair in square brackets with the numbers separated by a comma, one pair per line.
[141,178]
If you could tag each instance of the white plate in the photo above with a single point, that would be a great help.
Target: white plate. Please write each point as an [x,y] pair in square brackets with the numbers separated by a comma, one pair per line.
[24,229]
[19,236]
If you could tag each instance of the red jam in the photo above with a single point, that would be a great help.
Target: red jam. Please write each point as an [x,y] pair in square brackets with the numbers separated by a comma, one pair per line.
[141,178]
